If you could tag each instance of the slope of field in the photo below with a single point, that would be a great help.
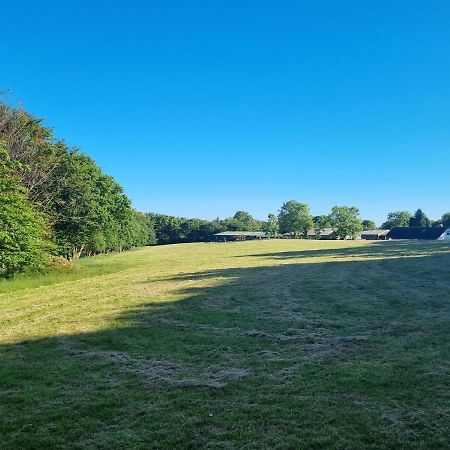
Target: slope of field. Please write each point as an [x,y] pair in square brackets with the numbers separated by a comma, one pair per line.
[269,344]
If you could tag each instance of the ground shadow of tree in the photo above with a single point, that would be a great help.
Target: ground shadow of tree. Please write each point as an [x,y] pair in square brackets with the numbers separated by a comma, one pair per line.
[343,354]
[382,249]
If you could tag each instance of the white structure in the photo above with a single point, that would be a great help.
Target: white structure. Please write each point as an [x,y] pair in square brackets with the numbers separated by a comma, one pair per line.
[445,236]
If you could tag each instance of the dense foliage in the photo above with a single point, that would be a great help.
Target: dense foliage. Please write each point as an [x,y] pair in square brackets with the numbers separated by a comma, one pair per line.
[346,221]
[322,221]
[271,227]
[418,219]
[294,217]
[171,229]
[82,211]
[445,221]
[396,219]
[368,225]
[22,227]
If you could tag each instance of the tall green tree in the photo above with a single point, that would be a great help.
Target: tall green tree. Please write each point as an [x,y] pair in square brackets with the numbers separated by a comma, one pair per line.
[167,228]
[271,227]
[369,225]
[243,216]
[396,219]
[346,221]
[40,154]
[295,217]
[419,219]
[242,221]
[80,212]
[446,220]
[22,227]
[142,230]
[321,222]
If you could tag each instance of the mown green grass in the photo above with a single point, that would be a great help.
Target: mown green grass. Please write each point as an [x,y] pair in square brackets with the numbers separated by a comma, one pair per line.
[263,344]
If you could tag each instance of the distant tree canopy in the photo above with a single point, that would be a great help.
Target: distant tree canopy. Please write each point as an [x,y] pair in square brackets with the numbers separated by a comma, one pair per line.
[271,226]
[321,222]
[243,221]
[419,219]
[397,219]
[294,217]
[172,230]
[446,220]
[369,225]
[346,221]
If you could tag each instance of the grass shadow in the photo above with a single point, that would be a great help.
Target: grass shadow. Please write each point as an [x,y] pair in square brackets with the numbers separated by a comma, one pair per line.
[381,249]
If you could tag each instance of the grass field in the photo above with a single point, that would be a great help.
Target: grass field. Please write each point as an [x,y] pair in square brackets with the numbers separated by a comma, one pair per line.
[263,344]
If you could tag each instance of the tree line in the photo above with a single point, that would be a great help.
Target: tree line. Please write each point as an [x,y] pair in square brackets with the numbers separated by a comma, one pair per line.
[293,217]
[418,219]
[56,200]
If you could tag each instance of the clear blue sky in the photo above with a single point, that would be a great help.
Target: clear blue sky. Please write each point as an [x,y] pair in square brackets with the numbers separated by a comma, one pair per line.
[203,108]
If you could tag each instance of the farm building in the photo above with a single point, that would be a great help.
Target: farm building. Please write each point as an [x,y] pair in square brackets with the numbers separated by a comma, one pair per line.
[313,233]
[324,233]
[374,235]
[241,235]
[428,233]
[291,234]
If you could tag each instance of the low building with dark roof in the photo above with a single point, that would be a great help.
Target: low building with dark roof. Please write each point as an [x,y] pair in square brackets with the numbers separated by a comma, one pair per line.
[425,233]
[322,233]
[241,235]
[374,235]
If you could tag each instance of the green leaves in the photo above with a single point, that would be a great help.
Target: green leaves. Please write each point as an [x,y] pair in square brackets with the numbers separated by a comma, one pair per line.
[49,189]
[419,219]
[22,227]
[397,219]
[446,220]
[369,225]
[93,215]
[271,227]
[295,217]
[346,221]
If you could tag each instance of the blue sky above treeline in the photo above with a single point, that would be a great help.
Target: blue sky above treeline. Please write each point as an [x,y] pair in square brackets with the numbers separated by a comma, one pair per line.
[204,108]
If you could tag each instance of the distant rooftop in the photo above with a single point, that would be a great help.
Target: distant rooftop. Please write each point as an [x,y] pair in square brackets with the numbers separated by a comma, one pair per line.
[374,232]
[242,233]
[327,231]
[432,233]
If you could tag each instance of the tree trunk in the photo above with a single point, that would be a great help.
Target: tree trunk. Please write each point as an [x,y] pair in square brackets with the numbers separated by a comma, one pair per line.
[77,252]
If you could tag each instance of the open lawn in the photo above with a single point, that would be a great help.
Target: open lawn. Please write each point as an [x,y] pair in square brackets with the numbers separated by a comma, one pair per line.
[262,344]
